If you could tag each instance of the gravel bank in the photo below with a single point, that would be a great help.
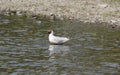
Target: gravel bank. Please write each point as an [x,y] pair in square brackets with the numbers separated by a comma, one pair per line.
[83,10]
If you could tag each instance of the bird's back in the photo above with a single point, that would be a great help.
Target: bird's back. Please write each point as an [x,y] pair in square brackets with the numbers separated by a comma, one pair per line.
[57,40]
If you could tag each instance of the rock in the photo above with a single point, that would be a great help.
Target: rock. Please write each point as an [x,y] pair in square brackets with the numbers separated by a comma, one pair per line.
[113,21]
[103,5]
[38,22]
[52,16]
[19,13]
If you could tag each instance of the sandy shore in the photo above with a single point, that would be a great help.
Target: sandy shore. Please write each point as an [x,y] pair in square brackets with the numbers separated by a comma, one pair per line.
[82,10]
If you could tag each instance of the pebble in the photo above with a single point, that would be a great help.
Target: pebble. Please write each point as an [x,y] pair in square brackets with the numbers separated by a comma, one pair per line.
[38,22]
[19,13]
[103,5]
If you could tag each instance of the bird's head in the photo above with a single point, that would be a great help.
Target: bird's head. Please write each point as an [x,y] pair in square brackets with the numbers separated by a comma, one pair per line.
[50,31]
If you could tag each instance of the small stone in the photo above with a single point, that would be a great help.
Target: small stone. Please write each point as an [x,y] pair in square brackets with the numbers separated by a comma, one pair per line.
[103,5]
[52,16]
[19,13]
[113,21]
[38,22]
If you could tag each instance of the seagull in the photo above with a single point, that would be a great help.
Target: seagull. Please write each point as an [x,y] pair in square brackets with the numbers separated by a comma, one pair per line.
[56,39]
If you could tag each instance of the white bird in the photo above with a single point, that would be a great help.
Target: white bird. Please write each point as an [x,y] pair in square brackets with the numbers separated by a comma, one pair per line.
[55,39]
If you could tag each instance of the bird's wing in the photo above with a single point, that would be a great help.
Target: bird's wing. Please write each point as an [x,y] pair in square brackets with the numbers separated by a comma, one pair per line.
[61,39]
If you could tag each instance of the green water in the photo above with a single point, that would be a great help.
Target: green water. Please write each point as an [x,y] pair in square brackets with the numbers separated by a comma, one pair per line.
[25,49]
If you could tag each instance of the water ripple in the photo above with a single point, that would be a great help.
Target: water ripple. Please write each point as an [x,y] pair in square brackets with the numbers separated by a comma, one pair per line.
[25,49]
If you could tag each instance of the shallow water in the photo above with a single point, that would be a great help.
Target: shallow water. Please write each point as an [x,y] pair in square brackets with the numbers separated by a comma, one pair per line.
[25,50]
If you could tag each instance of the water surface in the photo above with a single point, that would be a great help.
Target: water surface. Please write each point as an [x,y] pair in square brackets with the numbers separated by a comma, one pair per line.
[94,49]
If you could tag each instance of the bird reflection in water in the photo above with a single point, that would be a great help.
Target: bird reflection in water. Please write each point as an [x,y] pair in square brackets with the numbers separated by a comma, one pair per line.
[61,50]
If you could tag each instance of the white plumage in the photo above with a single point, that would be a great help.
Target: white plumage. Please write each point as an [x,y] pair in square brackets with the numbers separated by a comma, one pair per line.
[55,39]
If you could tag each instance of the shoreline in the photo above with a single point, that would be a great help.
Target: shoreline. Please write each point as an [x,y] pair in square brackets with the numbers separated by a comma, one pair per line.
[92,11]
